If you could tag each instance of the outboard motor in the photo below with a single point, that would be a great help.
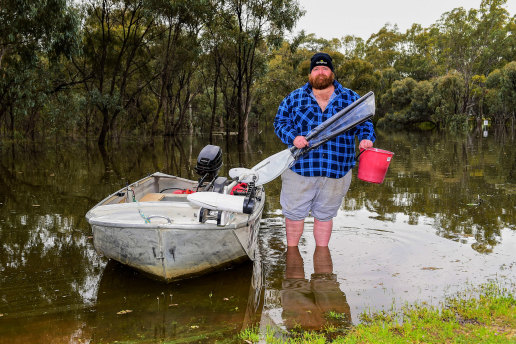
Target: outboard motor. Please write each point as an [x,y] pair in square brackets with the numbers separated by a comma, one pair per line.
[209,163]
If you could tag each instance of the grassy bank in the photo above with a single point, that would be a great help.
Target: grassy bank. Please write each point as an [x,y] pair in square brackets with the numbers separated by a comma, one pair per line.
[483,315]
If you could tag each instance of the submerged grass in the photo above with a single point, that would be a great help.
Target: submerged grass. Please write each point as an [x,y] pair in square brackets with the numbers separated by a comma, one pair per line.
[486,314]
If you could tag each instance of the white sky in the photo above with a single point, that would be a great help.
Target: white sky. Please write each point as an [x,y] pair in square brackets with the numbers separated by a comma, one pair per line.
[336,19]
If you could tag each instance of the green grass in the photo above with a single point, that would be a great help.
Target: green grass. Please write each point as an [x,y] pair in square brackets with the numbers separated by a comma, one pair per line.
[487,317]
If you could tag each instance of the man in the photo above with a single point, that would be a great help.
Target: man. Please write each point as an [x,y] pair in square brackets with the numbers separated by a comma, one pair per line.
[318,181]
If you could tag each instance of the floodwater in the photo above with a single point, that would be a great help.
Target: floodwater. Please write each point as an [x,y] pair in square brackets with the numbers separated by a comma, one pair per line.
[443,219]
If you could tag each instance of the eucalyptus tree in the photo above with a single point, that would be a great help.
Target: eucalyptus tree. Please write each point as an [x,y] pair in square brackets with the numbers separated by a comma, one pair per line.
[358,75]
[248,30]
[286,70]
[418,56]
[34,35]
[501,95]
[383,48]
[473,42]
[213,44]
[116,39]
[448,100]
[177,49]
[353,47]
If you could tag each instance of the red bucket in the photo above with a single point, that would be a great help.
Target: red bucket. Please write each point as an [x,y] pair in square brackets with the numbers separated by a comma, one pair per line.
[373,165]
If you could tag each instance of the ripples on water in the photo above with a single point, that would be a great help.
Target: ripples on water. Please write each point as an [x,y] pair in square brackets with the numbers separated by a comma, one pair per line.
[443,218]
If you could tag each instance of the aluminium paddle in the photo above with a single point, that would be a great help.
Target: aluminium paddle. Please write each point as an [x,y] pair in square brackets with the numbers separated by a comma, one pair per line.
[358,112]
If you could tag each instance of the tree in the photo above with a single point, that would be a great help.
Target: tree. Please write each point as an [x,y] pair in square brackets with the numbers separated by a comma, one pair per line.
[418,56]
[34,35]
[353,47]
[473,42]
[447,100]
[383,47]
[178,56]
[358,75]
[248,26]
[501,97]
[116,48]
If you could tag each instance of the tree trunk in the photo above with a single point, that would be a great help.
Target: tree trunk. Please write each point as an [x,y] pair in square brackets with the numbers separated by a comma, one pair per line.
[11,114]
[103,131]
[214,104]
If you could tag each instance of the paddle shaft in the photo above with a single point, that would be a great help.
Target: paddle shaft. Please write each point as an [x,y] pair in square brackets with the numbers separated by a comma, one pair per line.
[299,152]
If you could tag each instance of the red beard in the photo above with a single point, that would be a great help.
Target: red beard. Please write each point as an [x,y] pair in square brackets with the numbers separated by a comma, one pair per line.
[320,82]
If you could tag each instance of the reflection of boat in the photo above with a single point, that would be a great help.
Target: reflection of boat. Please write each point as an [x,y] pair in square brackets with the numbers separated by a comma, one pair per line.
[203,309]
[313,303]
[149,226]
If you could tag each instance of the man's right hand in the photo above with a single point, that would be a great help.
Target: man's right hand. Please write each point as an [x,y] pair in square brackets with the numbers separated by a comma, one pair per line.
[300,142]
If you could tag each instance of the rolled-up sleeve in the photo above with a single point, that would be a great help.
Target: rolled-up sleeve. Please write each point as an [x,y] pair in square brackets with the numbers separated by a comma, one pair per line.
[365,131]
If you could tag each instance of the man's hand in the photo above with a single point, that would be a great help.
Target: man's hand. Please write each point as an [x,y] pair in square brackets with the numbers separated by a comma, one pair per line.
[301,142]
[364,144]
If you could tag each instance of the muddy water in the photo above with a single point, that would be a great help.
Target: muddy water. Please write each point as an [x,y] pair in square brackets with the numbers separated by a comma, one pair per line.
[444,218]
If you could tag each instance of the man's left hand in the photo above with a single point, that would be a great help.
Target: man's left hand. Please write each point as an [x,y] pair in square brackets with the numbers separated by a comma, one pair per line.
[365,144]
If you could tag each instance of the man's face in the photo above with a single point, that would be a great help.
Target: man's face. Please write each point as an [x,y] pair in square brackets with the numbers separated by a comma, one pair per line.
[321,77]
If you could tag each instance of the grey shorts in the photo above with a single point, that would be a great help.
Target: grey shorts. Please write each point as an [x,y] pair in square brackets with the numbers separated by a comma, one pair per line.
[320,196]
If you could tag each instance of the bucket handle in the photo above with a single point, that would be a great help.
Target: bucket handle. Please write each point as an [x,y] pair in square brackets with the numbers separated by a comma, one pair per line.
[361,151]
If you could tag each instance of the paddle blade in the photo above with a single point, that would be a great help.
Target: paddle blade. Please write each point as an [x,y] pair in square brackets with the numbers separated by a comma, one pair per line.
[244,175]
[359,111]
[272,167]
[217,201]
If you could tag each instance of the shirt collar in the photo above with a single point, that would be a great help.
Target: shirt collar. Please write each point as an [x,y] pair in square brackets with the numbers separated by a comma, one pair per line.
[337,91]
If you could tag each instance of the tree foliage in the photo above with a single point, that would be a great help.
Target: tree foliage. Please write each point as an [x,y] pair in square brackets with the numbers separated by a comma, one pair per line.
[34,35]
[109,68]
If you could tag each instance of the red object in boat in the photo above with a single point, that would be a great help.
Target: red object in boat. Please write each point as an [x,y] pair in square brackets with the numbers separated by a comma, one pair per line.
[239,189]
[185,191]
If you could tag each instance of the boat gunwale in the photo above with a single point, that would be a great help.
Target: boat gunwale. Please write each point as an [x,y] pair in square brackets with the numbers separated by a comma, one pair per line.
[138,182]
[199,226]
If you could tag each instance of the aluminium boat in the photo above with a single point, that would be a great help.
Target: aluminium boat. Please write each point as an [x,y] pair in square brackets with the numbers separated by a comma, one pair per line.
[151,226]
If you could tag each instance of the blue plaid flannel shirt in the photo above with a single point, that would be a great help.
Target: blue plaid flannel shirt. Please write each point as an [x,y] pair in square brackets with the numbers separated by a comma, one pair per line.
[299,113]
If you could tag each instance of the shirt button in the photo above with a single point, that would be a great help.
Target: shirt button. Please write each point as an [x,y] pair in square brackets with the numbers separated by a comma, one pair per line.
[324,155]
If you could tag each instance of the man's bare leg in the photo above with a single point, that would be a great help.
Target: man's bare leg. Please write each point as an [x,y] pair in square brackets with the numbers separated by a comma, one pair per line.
[322,232]
[294,231]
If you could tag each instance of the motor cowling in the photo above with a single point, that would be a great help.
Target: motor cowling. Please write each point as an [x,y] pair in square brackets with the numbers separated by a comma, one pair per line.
[209,162]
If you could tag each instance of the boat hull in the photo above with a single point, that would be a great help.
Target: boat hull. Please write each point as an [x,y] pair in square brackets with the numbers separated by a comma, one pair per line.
[174,244]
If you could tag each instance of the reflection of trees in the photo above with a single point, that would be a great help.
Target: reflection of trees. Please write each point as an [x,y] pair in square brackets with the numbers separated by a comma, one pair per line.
[465,185]
[45,257]
[219,304]
[180,154]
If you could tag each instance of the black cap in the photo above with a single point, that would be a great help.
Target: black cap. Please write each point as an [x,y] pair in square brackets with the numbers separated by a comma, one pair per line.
[321,59]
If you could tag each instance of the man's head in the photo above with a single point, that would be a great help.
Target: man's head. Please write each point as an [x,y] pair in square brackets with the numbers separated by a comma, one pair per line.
[321,59]
[321,71]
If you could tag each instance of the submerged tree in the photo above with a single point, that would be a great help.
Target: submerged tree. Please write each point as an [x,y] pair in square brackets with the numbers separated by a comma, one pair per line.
[116,39]
[250,27]
[34,35]
[501,96]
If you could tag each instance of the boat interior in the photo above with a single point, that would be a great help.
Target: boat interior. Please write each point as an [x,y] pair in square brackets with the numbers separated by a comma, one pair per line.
[162,199]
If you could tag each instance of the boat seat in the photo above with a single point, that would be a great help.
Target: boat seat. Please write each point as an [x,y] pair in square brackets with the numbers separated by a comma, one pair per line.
[152,197]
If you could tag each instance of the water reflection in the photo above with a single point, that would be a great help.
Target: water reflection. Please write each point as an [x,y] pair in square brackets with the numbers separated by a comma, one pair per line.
[461,188]
[203,309]
[442,177]
[315,303]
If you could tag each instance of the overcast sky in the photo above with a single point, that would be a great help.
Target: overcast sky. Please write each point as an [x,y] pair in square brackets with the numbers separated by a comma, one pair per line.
[338,18]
